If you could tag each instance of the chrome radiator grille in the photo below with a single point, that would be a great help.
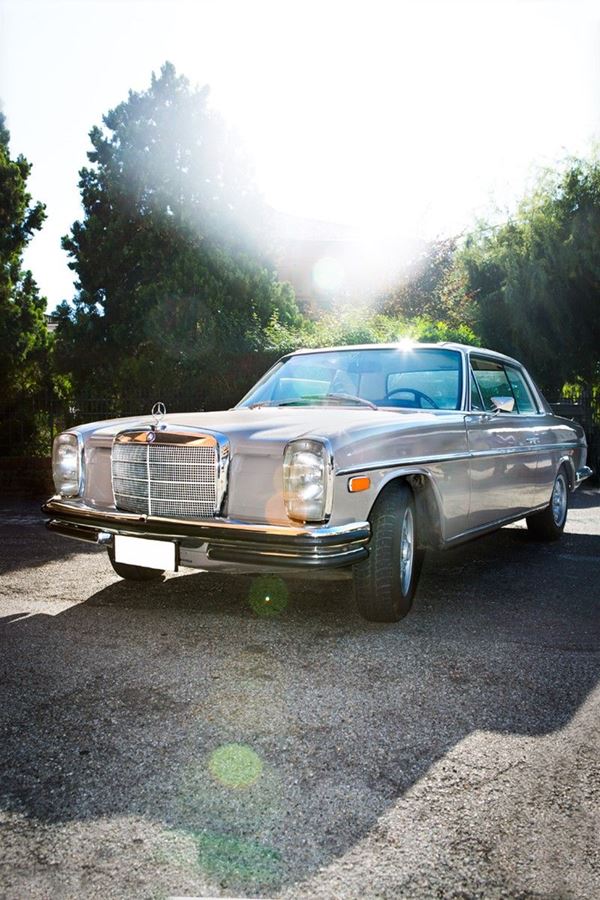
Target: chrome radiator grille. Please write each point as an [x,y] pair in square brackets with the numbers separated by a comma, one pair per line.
[165,478]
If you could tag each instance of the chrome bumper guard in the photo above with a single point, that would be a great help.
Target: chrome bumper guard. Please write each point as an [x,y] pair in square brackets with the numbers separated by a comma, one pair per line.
[224,540]
[582,474]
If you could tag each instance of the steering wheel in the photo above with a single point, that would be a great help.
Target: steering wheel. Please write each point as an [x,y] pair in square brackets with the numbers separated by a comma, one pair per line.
[418,395]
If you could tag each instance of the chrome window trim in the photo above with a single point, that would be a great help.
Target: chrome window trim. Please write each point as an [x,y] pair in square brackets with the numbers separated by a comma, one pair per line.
[466,384]
[482,411]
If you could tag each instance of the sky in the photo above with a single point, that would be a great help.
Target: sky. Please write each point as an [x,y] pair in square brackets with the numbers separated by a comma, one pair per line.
[405,118]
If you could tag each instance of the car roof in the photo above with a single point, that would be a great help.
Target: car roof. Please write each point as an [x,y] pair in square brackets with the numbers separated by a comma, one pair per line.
[402,345]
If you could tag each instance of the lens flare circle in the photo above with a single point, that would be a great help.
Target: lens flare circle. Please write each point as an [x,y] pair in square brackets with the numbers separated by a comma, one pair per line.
[328,274]
[235,765]
[268,596]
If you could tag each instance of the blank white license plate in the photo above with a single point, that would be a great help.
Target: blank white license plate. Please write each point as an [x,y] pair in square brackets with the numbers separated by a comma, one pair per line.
[144,552]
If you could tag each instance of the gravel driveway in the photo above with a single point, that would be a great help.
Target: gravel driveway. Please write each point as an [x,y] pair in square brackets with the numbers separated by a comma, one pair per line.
[195,738]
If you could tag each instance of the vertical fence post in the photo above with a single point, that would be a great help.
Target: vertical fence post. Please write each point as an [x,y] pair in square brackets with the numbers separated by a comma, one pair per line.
[50,421]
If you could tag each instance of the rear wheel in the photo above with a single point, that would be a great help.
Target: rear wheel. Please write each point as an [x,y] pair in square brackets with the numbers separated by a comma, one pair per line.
[133,573]
[549,524]
[385,582]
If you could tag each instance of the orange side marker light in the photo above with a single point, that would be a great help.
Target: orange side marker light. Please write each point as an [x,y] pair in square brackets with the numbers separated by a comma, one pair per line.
[361,483]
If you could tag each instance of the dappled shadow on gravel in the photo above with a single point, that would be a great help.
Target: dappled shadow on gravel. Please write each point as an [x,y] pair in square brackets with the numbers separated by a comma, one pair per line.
[585,498]
[269,722]
[19,520]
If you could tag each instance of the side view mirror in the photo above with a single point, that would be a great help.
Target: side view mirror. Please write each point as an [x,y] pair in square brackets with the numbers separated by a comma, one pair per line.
[503,404]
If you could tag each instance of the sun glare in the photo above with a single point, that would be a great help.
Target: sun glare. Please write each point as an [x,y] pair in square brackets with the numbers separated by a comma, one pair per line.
[405,120]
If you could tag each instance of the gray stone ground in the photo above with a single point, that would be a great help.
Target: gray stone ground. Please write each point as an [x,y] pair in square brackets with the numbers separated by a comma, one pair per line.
[188,739]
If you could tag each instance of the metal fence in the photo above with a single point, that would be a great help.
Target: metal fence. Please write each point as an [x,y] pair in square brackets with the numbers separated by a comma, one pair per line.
[584,408]
[28,426]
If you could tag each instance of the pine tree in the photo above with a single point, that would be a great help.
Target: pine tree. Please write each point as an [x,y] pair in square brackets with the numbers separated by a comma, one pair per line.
[23,333]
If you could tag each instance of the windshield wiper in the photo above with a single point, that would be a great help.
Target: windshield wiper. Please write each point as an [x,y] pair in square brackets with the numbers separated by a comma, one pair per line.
[323,398]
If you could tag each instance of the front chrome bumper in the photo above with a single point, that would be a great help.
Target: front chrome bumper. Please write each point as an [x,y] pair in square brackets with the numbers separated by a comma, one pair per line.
[223,540]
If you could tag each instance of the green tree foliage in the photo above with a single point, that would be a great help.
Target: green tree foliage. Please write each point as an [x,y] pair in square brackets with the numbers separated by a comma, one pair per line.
[361,327]
[168,279]
[433,286]
[536,279]
[23,334]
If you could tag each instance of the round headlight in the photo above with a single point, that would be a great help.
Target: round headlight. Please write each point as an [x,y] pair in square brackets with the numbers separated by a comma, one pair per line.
[66,464]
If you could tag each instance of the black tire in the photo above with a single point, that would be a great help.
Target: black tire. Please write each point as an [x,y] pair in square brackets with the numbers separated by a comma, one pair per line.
[549,524]
[133,573]
[382,589]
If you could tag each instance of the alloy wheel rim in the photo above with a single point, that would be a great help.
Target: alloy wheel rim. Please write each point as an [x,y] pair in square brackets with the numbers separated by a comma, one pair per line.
[559,500]
[407,543]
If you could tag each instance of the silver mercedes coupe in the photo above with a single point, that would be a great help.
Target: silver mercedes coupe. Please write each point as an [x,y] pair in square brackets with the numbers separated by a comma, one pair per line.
[353,460]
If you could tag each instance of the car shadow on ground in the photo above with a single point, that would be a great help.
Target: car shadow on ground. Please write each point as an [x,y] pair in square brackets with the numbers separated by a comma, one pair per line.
[266,720]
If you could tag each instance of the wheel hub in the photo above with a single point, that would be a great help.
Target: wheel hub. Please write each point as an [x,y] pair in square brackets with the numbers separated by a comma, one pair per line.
[559,501]
[407,539]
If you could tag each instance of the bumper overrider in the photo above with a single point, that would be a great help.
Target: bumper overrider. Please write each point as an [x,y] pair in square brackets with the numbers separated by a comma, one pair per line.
[223,540]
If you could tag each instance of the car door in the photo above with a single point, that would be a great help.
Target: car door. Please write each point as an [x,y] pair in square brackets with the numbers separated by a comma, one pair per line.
[502,447]
[538,435]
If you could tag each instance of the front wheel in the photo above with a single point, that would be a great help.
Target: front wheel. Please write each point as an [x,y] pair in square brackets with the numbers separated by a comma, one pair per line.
[133,573]
[549,524]
[385,582]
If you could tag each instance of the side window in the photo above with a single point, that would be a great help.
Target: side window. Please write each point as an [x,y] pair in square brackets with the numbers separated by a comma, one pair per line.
[476,401]
[523,398]
[491,380]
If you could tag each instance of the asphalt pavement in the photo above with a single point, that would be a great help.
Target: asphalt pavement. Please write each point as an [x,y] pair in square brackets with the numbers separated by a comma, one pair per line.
[246,737]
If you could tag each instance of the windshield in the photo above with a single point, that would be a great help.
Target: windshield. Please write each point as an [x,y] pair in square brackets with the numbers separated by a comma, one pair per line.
[413,379]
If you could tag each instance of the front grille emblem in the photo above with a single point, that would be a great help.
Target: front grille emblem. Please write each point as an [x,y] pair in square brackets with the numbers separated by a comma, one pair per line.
[150,437]
[159,411]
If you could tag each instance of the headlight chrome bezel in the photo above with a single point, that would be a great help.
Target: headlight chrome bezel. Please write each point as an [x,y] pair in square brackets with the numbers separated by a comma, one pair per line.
[316,509]
[68,486]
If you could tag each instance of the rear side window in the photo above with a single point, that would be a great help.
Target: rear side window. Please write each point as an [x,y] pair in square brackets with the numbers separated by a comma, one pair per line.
[523,399]
[491,380]
[495,379]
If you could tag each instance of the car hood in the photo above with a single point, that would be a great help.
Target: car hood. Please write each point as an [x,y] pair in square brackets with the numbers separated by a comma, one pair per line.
[257,430]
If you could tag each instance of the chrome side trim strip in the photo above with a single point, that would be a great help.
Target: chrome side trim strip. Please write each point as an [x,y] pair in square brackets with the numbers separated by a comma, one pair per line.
[452,457]
[493,526]
[404,461]
[521,448]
